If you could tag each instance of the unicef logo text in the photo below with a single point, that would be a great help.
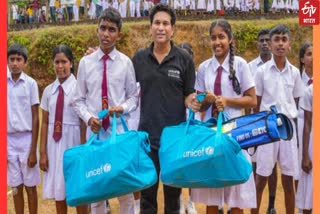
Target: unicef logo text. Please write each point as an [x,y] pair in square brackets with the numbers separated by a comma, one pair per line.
[98,171]
[208,151]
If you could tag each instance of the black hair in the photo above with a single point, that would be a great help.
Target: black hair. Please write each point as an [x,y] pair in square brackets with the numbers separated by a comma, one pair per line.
[163,8]
[19,50]
[263,31]
[111,14]
[227,29]
[279,29]
[302,52]
[66,50]
[187,47]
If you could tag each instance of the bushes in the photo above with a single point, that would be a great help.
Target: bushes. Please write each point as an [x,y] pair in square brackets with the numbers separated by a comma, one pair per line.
[41,42]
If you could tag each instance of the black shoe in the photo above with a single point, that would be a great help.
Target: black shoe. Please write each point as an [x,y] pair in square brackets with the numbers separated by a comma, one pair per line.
[271,211]
[220,211]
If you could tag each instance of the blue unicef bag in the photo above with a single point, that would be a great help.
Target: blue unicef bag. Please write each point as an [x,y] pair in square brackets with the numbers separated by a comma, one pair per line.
[100,170]
[194,155]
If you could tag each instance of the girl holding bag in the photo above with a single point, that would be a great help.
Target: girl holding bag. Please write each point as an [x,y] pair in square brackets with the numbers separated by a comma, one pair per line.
[227,80]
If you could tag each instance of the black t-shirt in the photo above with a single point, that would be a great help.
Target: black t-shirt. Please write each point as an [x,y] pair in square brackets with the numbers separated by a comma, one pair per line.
[163,89]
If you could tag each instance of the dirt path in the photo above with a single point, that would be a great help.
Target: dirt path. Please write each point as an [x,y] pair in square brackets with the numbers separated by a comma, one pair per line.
[48,206]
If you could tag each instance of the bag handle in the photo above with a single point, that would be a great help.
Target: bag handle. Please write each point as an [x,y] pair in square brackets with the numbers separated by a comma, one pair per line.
[200,98]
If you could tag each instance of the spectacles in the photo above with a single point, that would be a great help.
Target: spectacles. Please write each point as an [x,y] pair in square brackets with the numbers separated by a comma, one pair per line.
[264,40]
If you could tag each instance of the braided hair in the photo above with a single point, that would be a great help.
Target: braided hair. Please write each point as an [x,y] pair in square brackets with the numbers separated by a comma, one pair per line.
[227,29]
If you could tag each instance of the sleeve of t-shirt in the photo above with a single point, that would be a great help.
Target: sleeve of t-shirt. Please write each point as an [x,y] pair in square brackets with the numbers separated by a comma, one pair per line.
[258,79]
[190,77]
[200,82]
[34,93]
[247,81]
[306,100]
[298,86]
[44,100]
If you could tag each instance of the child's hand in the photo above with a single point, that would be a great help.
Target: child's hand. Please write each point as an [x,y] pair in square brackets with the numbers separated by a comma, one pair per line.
[115,109]
[44,162]
[306,164]
[32,159]
[210,97]
[95,125]
[221,103]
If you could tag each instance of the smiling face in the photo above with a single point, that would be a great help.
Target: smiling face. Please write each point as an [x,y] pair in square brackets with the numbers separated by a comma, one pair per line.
[220,43]
[62,66]
[161,28]
[280,45]
[108,35]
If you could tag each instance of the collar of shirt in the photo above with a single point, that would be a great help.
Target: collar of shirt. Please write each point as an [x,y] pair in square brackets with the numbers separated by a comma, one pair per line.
[169,56]
[259,61]
[22,76]
[305,78]
[215,64]
[66,85]
[112,55]
[274,66]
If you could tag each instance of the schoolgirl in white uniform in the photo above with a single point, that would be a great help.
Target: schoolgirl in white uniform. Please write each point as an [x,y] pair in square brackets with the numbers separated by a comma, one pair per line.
[304,198]
[237,92]
[53,147]
[306,69]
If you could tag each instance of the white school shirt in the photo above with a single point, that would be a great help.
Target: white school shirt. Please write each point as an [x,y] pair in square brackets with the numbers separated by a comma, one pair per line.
[207,74]
[49,101]
[51,3]
[21,96]
[279,88]
[121,83]
[255,64]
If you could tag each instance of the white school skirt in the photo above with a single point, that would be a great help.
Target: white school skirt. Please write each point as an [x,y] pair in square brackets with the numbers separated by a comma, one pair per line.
[53,179]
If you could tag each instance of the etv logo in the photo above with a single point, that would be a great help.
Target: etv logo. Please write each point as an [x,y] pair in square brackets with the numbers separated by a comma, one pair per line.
[308,12]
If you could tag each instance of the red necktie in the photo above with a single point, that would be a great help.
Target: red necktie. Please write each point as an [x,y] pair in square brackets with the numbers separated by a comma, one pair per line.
[104,92]
[310,81]
[217,90]
[57,132]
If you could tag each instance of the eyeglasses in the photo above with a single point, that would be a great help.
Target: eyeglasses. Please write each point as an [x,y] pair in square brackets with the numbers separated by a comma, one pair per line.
[264,40]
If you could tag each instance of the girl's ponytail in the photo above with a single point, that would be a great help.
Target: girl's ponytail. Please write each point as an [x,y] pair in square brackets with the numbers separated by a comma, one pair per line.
[232,76]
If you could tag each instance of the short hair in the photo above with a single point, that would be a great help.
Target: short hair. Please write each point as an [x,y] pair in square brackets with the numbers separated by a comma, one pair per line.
[163,8]
[263,31]
[18,49]
[187,47]
[66,50]
[279,29]
[111,14]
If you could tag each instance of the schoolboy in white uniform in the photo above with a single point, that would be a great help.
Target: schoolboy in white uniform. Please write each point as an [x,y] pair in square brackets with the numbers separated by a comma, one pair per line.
[280,84]
[22,130]
[122,92]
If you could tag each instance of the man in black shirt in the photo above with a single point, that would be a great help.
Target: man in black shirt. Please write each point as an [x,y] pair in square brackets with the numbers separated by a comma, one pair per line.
[166,75]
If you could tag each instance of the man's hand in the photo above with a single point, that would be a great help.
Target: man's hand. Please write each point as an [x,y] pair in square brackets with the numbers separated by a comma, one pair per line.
[90,50]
